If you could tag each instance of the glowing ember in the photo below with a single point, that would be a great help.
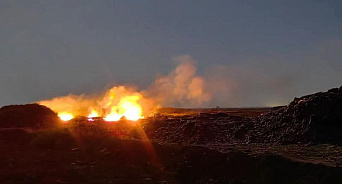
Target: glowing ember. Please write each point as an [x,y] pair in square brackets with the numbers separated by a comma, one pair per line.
[64,116]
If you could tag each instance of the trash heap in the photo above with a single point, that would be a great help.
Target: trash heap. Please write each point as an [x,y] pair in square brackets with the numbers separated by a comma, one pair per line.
[315,118]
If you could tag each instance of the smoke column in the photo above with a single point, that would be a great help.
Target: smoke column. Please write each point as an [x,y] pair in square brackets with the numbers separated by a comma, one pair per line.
[182,87]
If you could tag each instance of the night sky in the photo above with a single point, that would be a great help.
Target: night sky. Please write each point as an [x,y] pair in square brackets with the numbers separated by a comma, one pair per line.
[256,53]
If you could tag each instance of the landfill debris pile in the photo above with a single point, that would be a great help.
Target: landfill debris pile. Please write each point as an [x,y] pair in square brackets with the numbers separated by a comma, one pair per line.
[315,118]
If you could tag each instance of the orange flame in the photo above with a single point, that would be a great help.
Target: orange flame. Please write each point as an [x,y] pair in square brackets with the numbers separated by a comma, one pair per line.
[65,116]
[115,104]
[93,113]
[125,106]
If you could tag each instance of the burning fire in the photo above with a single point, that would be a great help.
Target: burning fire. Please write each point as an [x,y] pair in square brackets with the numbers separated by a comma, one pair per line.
[65,116]
[128,107]
[181,86]
[93,114]
[115,104]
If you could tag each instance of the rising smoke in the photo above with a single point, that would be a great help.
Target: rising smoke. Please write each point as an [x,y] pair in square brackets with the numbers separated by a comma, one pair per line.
[77,104]
[181,87]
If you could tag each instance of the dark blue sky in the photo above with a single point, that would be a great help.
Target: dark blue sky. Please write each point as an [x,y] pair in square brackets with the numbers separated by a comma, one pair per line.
[263,52]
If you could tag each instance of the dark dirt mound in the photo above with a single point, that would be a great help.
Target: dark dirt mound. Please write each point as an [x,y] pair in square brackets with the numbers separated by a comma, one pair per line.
[29,115]
[315,118]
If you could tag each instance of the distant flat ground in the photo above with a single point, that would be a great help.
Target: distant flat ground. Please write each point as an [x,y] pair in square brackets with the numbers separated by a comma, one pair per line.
[249,112]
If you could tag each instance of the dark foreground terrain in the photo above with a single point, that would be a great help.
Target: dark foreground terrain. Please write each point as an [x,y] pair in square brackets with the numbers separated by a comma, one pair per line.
[297,143]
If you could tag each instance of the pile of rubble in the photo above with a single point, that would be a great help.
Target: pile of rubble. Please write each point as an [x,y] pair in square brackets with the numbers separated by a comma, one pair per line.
[315,118]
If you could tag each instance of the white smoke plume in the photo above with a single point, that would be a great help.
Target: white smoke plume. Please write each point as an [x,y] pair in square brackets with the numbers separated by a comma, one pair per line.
[181,87]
